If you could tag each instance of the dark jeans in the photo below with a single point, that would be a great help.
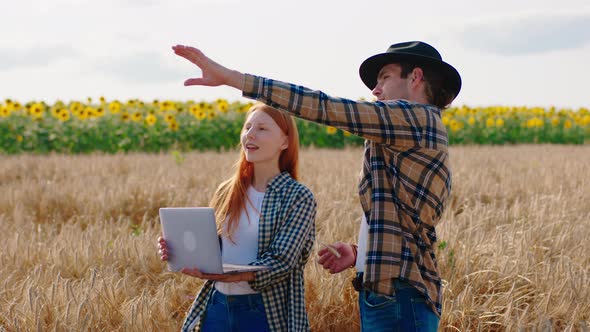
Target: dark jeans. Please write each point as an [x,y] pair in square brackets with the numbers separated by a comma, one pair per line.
[404,311]
[233,313]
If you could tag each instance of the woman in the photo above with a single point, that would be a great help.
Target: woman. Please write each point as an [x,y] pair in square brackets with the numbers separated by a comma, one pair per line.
[264,217]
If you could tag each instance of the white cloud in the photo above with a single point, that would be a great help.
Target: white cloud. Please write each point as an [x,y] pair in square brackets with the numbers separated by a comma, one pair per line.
[34,56]
[70,49]
[145,67]
[527,35]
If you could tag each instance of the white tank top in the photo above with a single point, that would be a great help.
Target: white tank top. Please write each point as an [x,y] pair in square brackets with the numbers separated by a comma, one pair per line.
[244,250]
[362,243]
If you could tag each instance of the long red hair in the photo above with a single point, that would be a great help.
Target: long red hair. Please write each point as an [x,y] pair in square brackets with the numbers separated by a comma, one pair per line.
[230,198]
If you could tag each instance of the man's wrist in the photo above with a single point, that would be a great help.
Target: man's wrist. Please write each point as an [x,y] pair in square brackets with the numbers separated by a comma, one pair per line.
[236,79]
[354,248]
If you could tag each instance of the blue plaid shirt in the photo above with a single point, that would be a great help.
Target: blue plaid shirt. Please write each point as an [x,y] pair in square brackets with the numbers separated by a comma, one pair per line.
[285,238]
[404,183]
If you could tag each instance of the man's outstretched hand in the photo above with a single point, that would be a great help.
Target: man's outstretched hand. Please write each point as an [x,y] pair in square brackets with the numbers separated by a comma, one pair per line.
[336,264]
[214,74]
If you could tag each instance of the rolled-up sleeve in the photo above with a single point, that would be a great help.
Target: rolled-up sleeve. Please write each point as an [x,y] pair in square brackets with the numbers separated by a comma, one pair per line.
[393,122]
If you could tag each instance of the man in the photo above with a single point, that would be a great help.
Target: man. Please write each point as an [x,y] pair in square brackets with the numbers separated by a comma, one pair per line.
[405,179]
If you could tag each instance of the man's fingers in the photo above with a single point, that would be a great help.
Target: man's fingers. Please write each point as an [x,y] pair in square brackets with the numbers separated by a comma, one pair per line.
[329,261]
[336,267]
[195,81]
[324,257]
[333,267]
[190,53]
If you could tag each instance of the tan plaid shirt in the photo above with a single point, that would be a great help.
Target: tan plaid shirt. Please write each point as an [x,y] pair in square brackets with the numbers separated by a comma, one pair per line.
[404,183]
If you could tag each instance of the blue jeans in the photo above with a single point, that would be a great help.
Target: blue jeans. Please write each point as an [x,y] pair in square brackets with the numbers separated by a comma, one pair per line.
[404,311]
[233,313]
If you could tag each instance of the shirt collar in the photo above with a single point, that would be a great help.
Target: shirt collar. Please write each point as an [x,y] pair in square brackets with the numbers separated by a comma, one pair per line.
[279,181]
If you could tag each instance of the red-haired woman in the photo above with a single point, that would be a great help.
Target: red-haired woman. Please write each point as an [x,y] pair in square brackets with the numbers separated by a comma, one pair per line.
[264,217]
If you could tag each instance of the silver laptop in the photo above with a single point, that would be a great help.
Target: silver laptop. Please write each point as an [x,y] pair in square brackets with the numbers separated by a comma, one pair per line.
[192,240]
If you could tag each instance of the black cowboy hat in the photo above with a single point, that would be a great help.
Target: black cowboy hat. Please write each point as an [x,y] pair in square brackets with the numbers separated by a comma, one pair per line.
[414,52]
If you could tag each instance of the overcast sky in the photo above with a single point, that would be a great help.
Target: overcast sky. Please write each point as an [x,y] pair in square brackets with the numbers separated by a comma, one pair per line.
[527,52]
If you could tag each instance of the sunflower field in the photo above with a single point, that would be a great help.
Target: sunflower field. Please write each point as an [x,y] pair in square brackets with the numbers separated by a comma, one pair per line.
[156,126]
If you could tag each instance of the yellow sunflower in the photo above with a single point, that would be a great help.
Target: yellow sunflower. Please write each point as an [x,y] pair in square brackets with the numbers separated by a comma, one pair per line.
[167,105]
[99,112]
[137,116]
[64,115]
[201,115]
[37,110]
[76,107]
[331,130]
[194,109]
[55,111]
[170,118]
[222,105]
[90,111]
[534,122]
[244,108]
[151,120]
[115,107]
[82,115]
[446,120]
[4,111]
[16,106]
[490,122]
[456,125]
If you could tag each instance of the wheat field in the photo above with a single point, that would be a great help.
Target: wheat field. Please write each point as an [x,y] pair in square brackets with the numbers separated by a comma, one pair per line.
[78,239]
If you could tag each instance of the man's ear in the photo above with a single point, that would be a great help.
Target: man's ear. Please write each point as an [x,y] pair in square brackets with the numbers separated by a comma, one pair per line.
[417,74]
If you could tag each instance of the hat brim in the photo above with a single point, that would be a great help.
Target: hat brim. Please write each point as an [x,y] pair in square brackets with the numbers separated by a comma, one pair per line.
[370,68]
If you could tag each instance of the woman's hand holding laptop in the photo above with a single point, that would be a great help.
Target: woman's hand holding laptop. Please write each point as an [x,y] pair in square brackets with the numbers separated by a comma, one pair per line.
[162,249]
[234,277]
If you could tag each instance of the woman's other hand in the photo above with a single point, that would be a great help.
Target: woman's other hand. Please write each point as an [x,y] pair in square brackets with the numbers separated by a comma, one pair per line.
[162,249]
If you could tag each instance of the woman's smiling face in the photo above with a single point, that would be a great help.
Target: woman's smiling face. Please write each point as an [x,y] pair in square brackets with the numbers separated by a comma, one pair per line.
[262,139]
